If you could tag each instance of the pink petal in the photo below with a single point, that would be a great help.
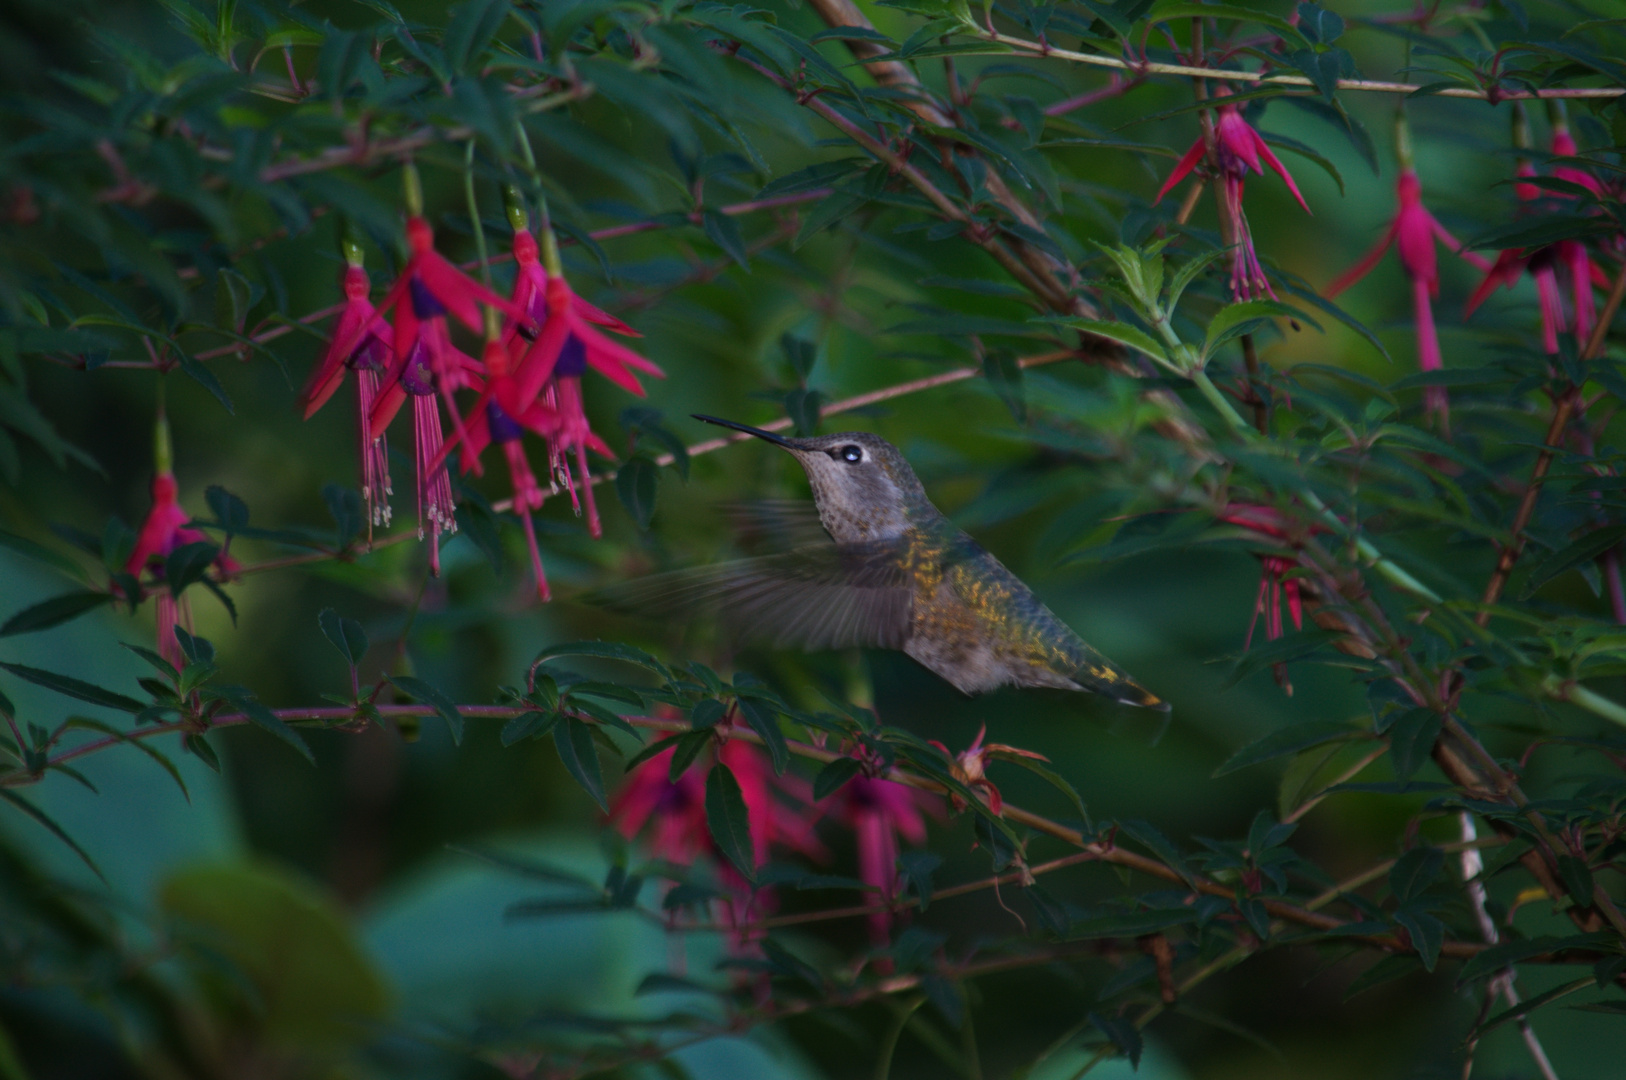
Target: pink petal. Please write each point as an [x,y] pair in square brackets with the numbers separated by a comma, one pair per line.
[1275,163]
[1181,169]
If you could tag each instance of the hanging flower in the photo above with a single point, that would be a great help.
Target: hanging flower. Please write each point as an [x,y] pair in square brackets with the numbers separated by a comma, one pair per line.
[1540,263]
[675,813]
[368,359]
[879,812]
[552,369]
[161,533]
[1238,148]
[541,389]
[1573,253]
[1412,234]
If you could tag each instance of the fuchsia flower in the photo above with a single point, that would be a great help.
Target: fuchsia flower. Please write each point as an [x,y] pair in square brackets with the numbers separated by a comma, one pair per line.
[162,532]
[675,811]
[1238,148]
[552,368]
[539,387]
[357,323]
[1584,274]
[879,812]
[1539,262]
[1274,584]
[1412,234]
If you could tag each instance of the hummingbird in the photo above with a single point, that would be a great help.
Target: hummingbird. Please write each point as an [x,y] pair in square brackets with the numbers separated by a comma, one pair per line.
[898,574]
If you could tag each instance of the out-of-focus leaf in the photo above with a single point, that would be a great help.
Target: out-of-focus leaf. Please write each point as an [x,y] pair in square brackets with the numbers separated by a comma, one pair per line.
[50,824]
[74,688]
[636,483]
[831,778]
[1289,740]
[54,612]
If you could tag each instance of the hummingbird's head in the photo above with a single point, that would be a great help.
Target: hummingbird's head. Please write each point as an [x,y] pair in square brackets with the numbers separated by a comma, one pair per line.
[863,487]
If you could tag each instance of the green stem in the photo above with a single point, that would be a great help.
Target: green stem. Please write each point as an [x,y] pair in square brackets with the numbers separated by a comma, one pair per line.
[1578,695]
[474,215]
[1221,403]
[549,243]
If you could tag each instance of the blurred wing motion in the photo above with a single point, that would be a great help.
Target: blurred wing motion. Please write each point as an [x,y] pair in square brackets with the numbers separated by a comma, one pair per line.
[818,596]
[770,526]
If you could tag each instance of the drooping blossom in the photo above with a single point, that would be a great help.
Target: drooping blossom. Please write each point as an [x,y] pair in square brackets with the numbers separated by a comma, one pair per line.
[539,388]
[674,811]
[427,365]
[1573,253]
[368,359]
[1412,234]
[970,767]
[1277,581]
[164,530]
[880,812]
[1539,262]
[1238,148]
[502,422]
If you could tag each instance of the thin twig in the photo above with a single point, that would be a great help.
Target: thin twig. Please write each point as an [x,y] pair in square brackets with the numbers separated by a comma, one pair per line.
[1143,68]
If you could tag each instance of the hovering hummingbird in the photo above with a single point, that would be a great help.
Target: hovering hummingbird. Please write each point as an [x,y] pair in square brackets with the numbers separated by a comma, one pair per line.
[899,575]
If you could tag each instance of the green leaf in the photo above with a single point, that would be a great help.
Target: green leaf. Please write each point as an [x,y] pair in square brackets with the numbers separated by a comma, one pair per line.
[1054,779]
[728,820]
[1415,871]
[689,746]
[636,482]
[1411,740]
[262,717]
[1160,846]
[724,231]
[419,690]
[1427,935]
[1233,320]
[143,745]
[831,778]
[45,819]
[1530,1005]
[54,612]
[346,635]
[528,724]
[1577,878]
[206,379]
[40,553]
[470,29]
[573,739]
[74,688]
[1385,970]
[1289,740]
[764,720]
[1122,333]
[1580,553]
[1498,957]
[707,714]
[608,650]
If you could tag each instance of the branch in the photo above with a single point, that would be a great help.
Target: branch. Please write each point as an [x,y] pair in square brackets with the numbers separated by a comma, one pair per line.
[1144,68]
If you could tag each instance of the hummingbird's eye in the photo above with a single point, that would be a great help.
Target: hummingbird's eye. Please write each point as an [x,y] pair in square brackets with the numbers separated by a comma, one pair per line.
[852,454]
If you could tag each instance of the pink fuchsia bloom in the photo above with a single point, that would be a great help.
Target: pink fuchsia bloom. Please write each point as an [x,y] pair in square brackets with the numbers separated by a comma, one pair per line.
[1274,582]
[552,368]
[1573,254]
[970,767]
[1539,262]
[1238,148]
[161,533]
[1412,234]
[368,359]
[879,812]
[675,813]
[429,289]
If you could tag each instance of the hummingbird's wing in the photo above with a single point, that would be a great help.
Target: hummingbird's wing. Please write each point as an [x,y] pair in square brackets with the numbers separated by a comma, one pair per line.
[818,596]
[770,526]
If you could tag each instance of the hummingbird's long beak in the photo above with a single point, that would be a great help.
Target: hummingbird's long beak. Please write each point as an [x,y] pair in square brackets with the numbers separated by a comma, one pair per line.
[767,436]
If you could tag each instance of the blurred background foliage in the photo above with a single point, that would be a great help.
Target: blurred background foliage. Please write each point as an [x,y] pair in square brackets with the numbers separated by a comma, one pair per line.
[286,920]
